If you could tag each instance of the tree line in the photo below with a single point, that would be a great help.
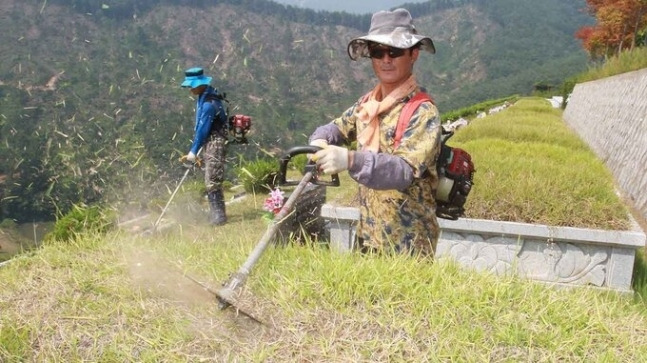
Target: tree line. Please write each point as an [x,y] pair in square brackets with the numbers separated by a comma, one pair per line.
[129,8]
[118,119]
[620,25]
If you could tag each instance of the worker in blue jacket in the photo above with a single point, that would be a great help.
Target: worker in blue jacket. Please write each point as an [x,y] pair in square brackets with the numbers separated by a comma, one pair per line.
[211,133]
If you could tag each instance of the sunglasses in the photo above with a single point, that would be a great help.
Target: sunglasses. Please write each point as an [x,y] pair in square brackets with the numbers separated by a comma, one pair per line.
[378,53]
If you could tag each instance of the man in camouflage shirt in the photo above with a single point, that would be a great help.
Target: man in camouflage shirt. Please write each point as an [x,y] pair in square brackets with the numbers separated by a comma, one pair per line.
[397,182]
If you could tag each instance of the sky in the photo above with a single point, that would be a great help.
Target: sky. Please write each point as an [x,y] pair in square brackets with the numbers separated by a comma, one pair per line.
[349,6]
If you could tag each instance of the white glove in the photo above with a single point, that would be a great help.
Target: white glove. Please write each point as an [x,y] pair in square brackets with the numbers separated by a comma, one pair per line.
[332,159]
[319,143]
[191,158]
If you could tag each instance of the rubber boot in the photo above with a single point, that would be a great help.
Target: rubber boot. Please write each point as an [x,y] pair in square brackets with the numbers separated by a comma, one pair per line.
[217,214]
[222,206]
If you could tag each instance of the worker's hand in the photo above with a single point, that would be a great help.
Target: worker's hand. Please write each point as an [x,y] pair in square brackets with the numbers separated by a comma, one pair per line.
[319,143]
[198,161]
[191,158]
[332,159]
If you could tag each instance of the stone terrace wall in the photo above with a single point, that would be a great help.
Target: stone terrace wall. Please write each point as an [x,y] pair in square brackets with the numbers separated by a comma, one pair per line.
[610,115]
[556,255]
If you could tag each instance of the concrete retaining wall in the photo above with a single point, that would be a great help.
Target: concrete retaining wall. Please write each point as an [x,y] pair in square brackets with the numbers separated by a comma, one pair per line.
[610,115]
[556,255]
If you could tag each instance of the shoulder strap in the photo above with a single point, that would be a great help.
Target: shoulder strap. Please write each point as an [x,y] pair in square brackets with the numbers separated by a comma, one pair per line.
[407,111]
[222,97]
[215,96]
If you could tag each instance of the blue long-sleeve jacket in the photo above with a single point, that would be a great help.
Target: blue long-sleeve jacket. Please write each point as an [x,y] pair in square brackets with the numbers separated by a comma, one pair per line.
[208,110]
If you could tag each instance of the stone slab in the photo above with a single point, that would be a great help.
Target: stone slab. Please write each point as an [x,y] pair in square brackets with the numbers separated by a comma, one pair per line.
[551,254]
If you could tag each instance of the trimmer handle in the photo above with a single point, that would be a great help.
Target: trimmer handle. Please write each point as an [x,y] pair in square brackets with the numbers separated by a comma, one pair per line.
[310,167]
[446,134]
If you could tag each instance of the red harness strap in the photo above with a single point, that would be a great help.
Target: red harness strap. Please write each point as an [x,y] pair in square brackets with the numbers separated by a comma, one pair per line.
[405,116]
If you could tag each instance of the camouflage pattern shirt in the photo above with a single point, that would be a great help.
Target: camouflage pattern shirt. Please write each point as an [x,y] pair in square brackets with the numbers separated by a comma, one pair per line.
[396,186]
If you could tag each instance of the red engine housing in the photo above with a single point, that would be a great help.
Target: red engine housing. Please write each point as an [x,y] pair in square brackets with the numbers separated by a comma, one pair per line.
[461,163]
[239,125]
[242,122]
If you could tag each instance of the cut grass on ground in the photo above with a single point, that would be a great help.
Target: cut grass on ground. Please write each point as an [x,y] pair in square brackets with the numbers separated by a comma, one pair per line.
[123,297]
[127,298]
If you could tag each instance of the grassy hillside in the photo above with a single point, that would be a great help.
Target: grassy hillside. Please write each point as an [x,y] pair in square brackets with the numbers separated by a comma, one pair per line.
[627,61]
[127,297]
[92,111]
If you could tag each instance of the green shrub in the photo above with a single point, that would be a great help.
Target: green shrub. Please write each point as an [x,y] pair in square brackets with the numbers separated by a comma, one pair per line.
[258,176]
[227,184]
[8,224]
[81,219]
[299,162]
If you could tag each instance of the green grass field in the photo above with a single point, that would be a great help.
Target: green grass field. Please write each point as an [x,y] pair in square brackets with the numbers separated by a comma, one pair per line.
[128,297]
[531,168]
[123,297]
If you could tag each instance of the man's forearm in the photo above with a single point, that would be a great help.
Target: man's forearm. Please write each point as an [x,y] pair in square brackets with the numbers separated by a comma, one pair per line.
[379,171]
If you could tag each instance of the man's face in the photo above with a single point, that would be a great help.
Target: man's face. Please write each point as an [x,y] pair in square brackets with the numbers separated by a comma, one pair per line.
[392,66]
[198,90]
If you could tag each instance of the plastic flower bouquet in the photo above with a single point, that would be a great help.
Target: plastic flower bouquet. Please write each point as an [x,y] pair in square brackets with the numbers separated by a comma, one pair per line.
[273,204]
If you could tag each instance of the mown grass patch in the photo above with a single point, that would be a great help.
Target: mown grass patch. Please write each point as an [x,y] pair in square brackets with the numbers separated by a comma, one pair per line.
[544,184]
[88,301]
[531,168]
[530,120]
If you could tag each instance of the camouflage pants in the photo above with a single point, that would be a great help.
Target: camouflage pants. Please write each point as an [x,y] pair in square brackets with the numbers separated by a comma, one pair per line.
[214,163]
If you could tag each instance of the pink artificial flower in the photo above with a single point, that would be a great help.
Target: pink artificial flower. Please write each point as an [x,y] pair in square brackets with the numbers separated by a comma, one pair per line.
[274,202]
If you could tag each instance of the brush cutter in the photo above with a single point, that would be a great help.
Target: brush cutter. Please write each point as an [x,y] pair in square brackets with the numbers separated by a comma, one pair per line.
[198,162]
[227,295]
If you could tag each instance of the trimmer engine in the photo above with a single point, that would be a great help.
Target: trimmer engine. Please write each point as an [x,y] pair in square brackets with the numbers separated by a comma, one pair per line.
[455,180]
[239,126]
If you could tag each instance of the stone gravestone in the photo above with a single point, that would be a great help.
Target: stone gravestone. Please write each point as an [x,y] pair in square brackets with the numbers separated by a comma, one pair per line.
[304,222]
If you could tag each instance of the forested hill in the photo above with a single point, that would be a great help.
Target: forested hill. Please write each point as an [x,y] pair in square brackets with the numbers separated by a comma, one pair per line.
[90,102]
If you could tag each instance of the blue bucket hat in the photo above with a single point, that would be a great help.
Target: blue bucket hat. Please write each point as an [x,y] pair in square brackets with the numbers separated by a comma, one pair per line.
[194,77]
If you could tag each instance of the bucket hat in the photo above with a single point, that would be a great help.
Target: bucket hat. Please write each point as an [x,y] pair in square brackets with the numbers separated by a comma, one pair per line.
[194,77]
[393,28]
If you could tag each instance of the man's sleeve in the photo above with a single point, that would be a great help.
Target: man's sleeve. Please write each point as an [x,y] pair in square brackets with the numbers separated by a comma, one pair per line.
[203,128]
[381,171]
[339,131]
